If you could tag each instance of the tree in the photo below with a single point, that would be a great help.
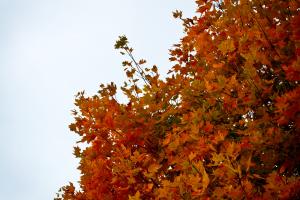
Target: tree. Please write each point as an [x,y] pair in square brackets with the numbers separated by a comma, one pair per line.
[224,124]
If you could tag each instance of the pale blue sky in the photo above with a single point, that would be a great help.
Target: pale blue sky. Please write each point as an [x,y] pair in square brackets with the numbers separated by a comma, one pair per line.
[51,49]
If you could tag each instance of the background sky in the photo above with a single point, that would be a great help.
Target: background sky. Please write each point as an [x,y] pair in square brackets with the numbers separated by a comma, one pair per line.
[50,50]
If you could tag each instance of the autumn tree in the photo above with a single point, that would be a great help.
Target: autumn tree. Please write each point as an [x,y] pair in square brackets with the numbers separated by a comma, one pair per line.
[224,124]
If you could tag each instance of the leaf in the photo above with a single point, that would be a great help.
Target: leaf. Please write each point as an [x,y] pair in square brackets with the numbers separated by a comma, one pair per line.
[142,61]
[192,156]
[136,196]
[226,46]
[205,178]
[77,152]
[167,140]
[153,168]
[177,14]
[121,42]
[174,144]
[154,69]
[208,127]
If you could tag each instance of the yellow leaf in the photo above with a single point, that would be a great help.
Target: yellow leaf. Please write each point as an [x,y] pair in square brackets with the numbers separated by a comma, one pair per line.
[136,196]
[208,85]
[205,179]
[226,46]
[174,145]
[153,168]
[192,156]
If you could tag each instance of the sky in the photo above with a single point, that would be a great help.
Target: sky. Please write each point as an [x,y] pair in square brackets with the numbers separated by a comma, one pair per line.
[50,50]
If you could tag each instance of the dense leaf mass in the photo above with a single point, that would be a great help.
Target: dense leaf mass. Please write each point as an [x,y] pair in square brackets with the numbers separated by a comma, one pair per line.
[224,124]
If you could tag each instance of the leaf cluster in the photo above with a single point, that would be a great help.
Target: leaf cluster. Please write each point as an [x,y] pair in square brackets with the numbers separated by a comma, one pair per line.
[224,124]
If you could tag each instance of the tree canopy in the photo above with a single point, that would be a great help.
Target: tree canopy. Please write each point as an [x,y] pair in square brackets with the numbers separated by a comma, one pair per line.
[224,124]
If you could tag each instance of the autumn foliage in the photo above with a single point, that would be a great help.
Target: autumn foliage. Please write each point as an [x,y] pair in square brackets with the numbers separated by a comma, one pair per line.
[224,124]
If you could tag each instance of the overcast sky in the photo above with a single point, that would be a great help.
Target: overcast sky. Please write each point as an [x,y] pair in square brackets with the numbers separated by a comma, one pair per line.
[50,50]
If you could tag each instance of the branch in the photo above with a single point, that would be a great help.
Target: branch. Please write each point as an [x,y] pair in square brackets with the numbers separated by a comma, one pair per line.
[138,67]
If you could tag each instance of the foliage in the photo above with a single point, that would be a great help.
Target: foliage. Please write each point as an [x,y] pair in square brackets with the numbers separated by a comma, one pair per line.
[224,124]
